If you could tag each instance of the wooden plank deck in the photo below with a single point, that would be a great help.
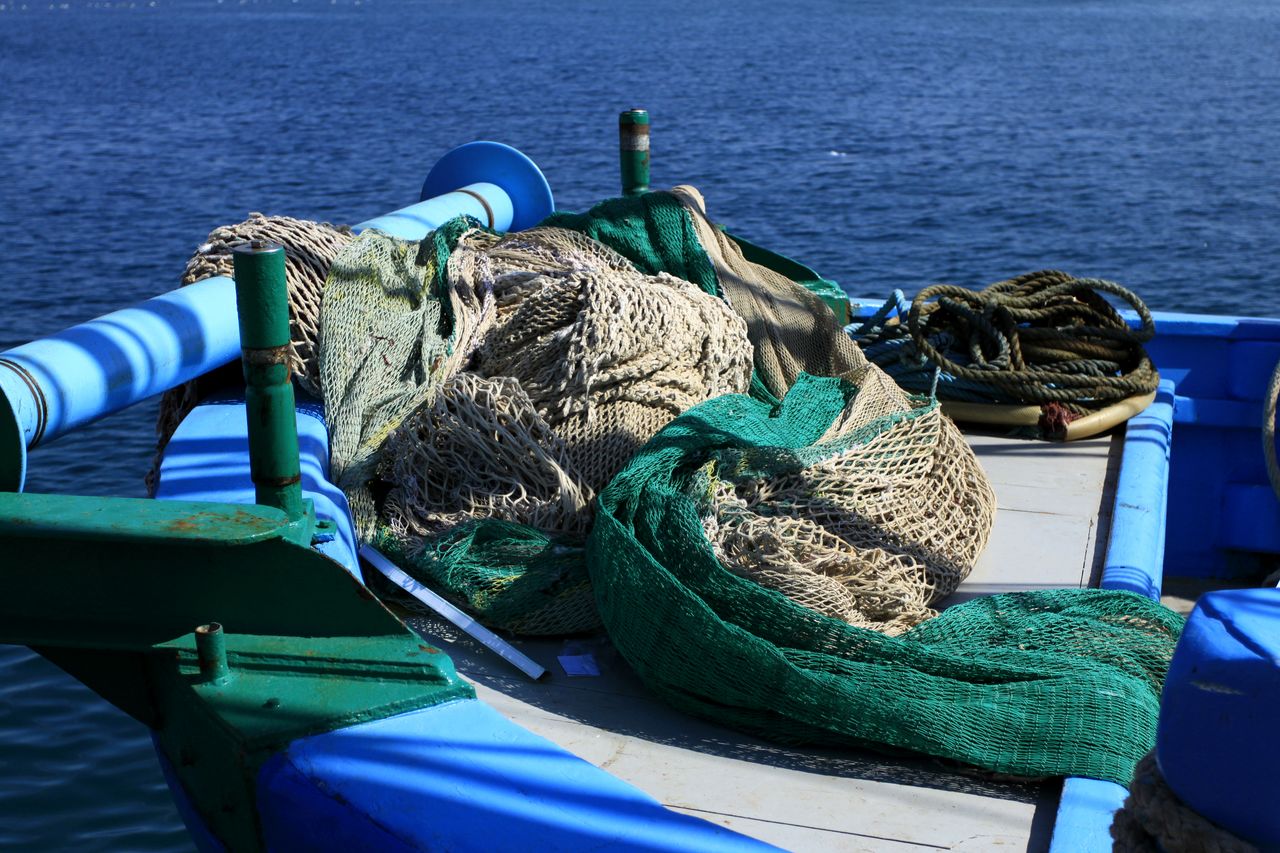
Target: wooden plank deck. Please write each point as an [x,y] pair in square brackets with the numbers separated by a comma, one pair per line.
[1053,512]
[1051,524]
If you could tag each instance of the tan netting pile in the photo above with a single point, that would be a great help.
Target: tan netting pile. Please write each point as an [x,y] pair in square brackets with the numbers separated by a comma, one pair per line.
[476,380]
[473,378]
[871,535]
[584,360]
[607,355]
[309,249]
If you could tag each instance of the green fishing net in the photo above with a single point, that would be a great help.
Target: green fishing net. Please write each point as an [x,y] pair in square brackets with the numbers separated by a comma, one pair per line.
[1062,682]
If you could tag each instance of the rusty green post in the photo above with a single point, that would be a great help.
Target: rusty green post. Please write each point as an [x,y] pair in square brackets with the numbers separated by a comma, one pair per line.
[211,654]
[633,149]
[262,302]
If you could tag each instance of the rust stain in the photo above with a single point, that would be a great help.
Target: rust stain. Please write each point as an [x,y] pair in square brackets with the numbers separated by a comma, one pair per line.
[212,520]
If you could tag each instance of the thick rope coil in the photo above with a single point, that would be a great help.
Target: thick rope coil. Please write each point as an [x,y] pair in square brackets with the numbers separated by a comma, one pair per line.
[1153,818]
[1043,338]
[1269,447]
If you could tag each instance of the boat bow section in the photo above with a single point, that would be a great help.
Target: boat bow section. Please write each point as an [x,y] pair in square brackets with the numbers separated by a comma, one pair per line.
[213,625]
[462,777]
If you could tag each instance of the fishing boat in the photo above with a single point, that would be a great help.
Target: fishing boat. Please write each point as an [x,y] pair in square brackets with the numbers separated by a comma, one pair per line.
[291,708]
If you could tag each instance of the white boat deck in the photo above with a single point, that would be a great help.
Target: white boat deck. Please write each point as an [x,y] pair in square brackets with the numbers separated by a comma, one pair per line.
[1054,502]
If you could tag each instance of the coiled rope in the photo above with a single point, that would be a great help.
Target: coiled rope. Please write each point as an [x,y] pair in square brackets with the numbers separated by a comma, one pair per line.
[1041,338]
[1153,818]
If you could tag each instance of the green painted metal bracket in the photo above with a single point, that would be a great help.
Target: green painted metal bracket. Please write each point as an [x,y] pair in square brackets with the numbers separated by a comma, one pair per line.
[127,573]
[114,589]
[219,732]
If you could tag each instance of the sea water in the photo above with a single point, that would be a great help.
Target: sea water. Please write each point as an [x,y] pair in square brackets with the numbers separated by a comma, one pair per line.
[887,144]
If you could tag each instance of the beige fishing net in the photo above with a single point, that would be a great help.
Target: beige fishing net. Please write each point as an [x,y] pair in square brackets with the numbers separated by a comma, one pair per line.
[584,359]
[617,418]
[472,377]
[310,248]
[877,529]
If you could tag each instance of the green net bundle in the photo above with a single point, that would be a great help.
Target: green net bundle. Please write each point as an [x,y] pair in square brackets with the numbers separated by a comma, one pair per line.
[1063,682]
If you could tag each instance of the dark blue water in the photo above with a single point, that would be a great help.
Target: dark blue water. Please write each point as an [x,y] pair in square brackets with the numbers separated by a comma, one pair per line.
[888,144]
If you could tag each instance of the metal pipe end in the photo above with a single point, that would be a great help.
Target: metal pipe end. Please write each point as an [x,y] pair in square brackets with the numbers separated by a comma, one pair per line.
[211,654]
[13,447]
[634,116]
[257,247]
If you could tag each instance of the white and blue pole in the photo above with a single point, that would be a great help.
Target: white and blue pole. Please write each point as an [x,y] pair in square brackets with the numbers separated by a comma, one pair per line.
[56,384]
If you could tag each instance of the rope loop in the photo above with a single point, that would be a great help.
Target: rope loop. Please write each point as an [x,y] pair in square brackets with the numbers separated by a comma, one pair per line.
[1153,818]
[1043,337]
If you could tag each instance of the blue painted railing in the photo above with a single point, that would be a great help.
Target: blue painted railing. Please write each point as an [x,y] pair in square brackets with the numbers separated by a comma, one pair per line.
[1134,562]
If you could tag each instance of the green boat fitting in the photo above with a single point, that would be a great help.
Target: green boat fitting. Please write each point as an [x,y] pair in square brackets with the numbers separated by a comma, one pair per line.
[211,652]
[633,150]
[125,599]
[262,303]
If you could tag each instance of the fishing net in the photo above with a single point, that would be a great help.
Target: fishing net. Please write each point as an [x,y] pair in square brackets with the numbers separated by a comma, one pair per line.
[309,250]
[620,417]
[881,516]
[396,326]
[573,359]
[608,355]
[1063,682]
[475,379]
[790,328]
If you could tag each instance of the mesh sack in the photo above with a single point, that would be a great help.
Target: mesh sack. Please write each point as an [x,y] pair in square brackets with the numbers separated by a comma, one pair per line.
[881,517]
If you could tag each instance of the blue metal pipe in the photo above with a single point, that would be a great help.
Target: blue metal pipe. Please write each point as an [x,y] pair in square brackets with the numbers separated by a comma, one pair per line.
[484,202]
[58,383]
[1135,553]
[61,382]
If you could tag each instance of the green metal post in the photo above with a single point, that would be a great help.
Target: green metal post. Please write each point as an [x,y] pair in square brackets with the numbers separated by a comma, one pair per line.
[211,654]
[633,149]
[262,303]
